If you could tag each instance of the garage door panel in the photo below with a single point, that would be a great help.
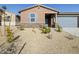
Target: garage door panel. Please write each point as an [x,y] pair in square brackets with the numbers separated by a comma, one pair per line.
[67,21]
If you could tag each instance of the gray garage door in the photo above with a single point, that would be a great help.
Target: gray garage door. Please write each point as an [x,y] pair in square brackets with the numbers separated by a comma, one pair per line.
[67,21]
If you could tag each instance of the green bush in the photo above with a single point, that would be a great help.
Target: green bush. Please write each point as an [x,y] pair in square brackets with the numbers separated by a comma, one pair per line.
[46,29]
[59,28]
[10,35]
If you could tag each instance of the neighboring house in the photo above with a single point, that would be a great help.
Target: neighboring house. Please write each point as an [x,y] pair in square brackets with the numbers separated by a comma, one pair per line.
[1,12]
[42,15]
[9,19]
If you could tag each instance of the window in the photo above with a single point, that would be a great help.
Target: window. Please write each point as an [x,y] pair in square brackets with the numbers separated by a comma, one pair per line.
[32,15]
[7,18]
[32,18]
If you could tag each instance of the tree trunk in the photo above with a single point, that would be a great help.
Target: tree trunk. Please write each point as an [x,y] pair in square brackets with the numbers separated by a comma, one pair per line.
[3,27]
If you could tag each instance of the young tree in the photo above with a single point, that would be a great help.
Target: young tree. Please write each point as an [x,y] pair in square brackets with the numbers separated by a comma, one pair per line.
[4,29]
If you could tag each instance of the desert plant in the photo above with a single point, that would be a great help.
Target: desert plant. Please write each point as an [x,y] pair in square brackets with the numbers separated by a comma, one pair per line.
[21,27]
[46,29]
[0,32]
[10,35]
[58,28]
[33,30]
[40,26]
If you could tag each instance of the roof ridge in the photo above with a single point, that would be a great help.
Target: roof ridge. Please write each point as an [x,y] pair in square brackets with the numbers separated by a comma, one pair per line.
[39,5]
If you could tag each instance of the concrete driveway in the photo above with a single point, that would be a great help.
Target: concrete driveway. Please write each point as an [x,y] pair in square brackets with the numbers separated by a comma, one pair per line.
[73,31]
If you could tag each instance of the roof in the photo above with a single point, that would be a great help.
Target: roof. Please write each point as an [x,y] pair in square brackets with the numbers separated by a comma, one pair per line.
[1,9]
[69,13]
[41,6]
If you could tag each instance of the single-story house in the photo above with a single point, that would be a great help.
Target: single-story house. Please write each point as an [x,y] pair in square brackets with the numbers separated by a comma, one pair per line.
[42,15]
[9,18]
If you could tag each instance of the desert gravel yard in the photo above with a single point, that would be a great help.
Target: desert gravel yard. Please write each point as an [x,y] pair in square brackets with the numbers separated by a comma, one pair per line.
[40,43]
[37,42]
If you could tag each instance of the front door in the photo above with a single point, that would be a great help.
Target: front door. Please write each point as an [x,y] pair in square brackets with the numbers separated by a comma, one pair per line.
[48,20]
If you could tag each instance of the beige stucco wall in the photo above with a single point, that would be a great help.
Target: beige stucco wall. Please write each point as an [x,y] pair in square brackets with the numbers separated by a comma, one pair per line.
[12,22]
[40,14]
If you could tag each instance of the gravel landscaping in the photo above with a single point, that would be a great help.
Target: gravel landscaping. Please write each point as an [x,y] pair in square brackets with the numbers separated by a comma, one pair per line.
[39,43]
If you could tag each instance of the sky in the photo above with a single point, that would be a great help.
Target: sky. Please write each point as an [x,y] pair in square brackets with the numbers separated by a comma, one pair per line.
[15,8]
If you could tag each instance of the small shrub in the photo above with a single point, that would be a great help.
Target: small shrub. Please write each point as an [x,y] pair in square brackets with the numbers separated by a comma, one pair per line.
[33,30]
[45,29]
[21,28]
[10,35]
[0,33]
[59,28]
[49,36]
[40,26]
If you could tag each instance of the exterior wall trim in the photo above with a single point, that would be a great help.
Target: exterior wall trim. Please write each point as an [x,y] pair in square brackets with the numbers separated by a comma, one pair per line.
[29,18]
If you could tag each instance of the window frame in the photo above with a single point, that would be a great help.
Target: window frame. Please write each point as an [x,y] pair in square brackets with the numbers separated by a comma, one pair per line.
[8,18]
[33,17]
